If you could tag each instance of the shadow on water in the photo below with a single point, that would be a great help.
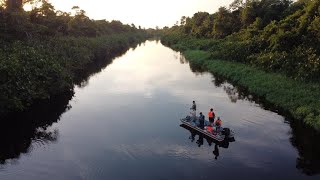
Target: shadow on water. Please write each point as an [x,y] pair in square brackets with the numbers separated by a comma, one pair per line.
[306,140]
[180,57]
[210,141]
[303,138]
[21,132]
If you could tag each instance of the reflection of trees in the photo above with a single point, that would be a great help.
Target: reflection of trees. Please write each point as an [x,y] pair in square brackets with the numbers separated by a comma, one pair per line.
[303,138]
[235,93]
[21,131]
[306,140]
[45,135]
[182,59]
[99,64]
[196,69]
[179,56]
[232,93]
[218,81]
[175,55]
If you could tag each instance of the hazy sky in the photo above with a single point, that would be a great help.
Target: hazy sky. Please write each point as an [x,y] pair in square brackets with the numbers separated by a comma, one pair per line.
[147,13]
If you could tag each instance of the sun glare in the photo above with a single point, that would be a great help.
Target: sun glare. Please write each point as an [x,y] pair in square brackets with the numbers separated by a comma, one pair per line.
[145,13]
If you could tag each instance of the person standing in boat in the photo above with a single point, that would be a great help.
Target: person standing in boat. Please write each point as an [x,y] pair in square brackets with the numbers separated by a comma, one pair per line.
[201,120]
[211,116]
[193,111]
[194,106]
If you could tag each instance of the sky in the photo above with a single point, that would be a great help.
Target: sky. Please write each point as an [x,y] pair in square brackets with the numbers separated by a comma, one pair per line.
[146,13]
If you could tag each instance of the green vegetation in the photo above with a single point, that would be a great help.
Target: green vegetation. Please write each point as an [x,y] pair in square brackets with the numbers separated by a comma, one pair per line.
[271,47]
[44,52]
[299,99]
[276,35]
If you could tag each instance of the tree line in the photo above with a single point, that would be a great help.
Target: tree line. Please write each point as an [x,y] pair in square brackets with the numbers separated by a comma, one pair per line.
[44,20]
[276,35]
[43,51]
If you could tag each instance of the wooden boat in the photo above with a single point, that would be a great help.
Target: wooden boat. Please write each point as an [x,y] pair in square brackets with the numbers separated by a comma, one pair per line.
[216,136]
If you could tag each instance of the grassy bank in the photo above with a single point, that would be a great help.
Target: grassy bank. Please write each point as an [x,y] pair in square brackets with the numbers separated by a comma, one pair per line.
[299,99]
[38,69]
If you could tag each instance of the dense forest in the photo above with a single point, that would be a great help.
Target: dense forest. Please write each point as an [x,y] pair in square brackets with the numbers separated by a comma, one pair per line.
[43,51]
[278,35]
[273,47]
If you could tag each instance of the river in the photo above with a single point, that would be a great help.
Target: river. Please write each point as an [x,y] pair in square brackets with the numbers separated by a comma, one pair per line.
[123,123]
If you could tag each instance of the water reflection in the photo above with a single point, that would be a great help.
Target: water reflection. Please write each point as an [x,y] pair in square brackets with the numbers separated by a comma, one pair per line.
[306,141]
[100,143]
[235,94]
[99,64]
[303,138]
[20,132]
[210,141]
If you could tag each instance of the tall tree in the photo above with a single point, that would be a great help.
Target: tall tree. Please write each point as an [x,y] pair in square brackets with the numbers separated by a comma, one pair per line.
[14,5]
[237,5]
[225,23]
[201,24]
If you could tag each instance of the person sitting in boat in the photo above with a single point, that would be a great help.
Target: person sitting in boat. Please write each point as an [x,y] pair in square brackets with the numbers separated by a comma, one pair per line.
[209,128]
[193,115]
[211,116]
[201,120]
[218,124]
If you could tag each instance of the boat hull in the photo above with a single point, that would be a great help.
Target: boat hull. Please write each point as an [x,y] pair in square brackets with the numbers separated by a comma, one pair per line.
[218,137]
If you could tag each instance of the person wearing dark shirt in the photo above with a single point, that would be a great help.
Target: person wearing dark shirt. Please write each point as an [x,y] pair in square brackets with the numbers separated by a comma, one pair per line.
[194,106]
[201,120]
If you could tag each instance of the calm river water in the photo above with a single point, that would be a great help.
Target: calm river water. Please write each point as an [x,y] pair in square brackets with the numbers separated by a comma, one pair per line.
[123,123]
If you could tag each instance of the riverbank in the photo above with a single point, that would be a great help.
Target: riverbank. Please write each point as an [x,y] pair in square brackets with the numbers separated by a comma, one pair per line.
[299,99]
[39,69]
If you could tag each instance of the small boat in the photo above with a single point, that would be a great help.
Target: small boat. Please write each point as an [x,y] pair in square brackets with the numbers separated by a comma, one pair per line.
[224,144]
[221,135]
